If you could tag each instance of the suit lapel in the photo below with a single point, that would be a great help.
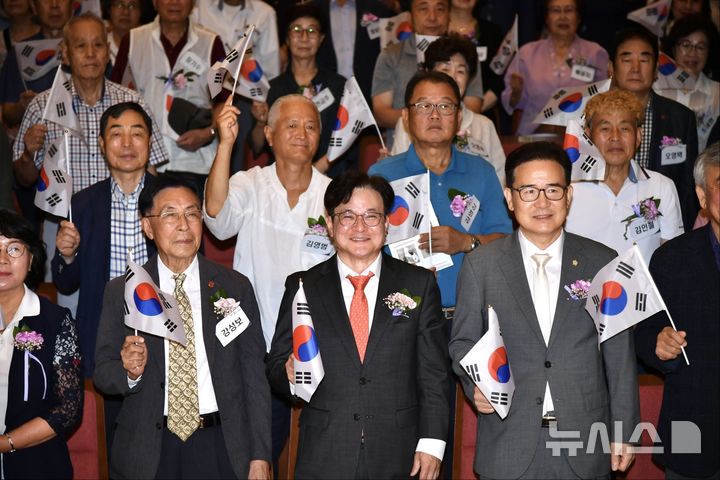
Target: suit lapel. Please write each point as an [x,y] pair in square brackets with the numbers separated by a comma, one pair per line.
[208,272]
[329,292]
[382,316]
[572,268]
[514,271]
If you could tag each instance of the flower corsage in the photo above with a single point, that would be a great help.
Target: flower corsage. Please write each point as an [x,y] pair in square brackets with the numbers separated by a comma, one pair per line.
[317,226]
[222,305]
[578,289]
[26,339]
[669,141]
[179,79]
[402,302]
[458,201]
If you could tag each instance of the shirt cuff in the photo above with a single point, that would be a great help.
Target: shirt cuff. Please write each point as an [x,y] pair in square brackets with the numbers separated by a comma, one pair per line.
[132,383]
[431,446]
[292,388]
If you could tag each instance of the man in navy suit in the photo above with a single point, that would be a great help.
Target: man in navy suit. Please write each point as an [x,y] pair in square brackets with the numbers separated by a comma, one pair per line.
[381,409]
[687,272]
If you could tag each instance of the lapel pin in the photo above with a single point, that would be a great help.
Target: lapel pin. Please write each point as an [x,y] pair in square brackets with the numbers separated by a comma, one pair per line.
[574,263]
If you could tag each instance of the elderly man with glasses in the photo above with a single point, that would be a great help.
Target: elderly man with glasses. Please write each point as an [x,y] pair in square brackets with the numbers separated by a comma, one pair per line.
[431,117]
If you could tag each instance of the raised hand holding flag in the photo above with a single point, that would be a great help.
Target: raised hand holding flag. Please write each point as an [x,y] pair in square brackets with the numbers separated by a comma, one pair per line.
[487,365]
[587,162]
[307,363]
[147,308]
[506,51]
[231,63]
[59,108]
[569,102]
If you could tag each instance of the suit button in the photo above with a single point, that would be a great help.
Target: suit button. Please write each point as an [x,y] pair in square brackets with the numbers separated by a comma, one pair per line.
[158,425]
[539,400]
[362,381]
[548,364]
[162,385]
[357,417]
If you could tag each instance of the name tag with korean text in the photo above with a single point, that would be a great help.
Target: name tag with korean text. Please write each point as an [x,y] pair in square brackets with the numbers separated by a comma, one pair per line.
[673,154]
[482,53]
[317,244]
[471,210]
[192,63]
[231,326]
[584,73]
[373,30]
[641,228]
[323,99]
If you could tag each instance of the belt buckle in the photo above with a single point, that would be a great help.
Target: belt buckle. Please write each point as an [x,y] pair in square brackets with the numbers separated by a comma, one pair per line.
[202,422]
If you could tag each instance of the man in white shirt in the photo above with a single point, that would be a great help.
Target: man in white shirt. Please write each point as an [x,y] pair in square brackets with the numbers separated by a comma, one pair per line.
[196,410]
[271,209]
[563,380]
[631,204]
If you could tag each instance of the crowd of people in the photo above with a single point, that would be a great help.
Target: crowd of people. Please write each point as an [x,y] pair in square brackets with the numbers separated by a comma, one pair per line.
[157,163]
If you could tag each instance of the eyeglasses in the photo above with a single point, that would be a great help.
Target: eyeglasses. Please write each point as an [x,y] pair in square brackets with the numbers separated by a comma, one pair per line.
[125,6]
[297,31]
[558,10]
[14,249]
[348,218]
[426,108]
[688,47]
[172,217]
[530,193]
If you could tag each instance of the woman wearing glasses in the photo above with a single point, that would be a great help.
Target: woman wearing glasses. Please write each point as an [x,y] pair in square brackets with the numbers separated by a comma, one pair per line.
[40,383]
[303,75]
[693,43]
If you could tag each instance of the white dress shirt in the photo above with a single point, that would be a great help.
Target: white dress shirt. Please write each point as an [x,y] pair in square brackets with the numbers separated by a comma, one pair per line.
[29,307]
[270,233]
[598,214]
[552,269]
[229,23]
[431,446]
[343,23]
[191,285]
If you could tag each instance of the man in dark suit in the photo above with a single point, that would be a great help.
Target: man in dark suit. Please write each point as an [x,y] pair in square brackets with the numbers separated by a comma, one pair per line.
[634,59]
[381,409]
[200,410]
[686,270]
[564,381]
[106,222]
[363,50]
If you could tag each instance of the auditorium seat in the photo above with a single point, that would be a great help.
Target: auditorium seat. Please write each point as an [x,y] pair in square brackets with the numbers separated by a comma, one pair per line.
[286,462]
[87,447]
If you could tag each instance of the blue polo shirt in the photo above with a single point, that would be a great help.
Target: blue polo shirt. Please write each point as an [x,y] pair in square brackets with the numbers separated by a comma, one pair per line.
[467,173]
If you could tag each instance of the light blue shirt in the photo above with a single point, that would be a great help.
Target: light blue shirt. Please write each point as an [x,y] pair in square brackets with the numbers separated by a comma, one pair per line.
[469,174]
[343,22]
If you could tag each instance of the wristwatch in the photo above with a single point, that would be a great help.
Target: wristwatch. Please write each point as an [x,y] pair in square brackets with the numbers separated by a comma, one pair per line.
[475,243]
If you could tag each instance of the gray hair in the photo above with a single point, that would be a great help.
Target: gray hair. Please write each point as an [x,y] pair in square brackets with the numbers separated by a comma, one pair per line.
[82,17]
[708,158]
[274,112]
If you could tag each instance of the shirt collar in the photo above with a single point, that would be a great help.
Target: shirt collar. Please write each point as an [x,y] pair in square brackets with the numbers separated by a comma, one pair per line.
[348,3]
[637,173]
[191,272]
[29,307]
[414,165]
[374,267]
[115,187]
[245,5]
[528,248]
[74,92]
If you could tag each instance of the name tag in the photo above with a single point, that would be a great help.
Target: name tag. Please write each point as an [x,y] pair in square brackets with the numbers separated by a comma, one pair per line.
[323,99]
[476,148]
[373,30]
[231,326]
[641,228]
[471,210]
[673,154]
[317,244]
[191,62]
[584,73]
[482,53]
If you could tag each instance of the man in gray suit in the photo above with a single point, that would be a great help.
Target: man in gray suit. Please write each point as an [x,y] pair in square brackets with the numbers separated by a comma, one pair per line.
[200,410]
[564,382]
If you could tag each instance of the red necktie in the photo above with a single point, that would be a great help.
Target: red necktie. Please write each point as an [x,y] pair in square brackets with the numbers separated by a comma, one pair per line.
[359,316]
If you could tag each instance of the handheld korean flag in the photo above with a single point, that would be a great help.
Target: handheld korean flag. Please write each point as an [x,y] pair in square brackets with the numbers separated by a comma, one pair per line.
[671,76]
[411,211]
[308,366]
[422,42]
[507,50]
[395,29]
[487,364]
[622,294]
[148,309]
[37,57]
[353,116]
[231,63]
[54,185]
[84,6]
[253,83]
[569,102]
[653,16]
[59,107]
[587,162]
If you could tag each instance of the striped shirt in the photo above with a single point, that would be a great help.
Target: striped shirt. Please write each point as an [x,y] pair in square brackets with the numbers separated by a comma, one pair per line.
[87,165]
[125,228]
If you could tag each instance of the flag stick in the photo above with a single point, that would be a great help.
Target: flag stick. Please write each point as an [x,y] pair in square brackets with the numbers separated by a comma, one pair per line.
[249,33]
[67,167]
[662,301]
[430,230]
